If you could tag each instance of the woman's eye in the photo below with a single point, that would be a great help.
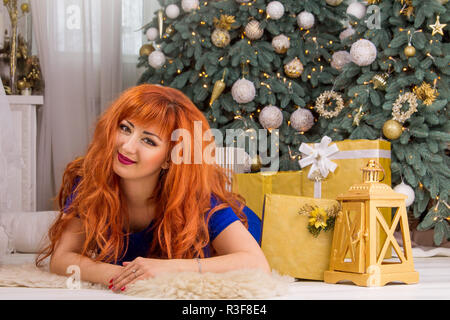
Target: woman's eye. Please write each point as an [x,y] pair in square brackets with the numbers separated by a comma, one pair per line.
[124,127]
[150,142]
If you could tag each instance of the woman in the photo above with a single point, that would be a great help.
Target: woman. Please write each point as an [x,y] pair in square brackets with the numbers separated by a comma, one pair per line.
[129,211]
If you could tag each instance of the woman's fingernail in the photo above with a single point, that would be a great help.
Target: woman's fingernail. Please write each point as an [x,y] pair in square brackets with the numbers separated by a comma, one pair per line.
[122,289]
[110,281]
[110,286]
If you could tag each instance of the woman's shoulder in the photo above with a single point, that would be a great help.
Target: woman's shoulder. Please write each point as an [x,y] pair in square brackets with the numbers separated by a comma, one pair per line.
[222,218]
[228,211]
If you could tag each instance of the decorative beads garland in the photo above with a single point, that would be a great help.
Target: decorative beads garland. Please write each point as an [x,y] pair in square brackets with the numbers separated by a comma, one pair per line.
[324,97]
[399,116]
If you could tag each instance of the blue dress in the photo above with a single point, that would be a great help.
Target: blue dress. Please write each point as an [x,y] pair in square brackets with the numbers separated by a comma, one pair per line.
[139,242]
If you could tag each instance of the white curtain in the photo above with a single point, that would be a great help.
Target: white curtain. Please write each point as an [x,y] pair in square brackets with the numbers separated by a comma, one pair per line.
[88,51]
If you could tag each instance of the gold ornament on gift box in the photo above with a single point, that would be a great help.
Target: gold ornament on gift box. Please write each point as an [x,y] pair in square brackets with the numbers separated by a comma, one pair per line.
[437,27]
[426,93]
[220,37]
[294,68]
[380,81]
[357,229]
[319,218]
[219,86]
[392,129]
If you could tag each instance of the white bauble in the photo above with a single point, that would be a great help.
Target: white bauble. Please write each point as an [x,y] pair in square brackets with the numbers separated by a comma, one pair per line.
[302,120]
[243,91]
[347,33]
[156,59]
[245,159]
[357,9]
[172,11]
[275,10]
[152,34]
[305,20]
[339,59]
[189,5]
[281,43]
[271,117]
[363,52]
[403,188]
[253,30]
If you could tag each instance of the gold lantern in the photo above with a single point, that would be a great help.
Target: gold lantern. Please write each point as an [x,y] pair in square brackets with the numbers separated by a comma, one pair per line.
[356,231]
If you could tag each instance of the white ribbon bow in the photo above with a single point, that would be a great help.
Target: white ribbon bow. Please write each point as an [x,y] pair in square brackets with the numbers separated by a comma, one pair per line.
[317,157]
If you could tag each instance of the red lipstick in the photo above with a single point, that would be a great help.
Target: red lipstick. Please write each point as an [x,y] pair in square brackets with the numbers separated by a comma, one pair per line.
[124,160]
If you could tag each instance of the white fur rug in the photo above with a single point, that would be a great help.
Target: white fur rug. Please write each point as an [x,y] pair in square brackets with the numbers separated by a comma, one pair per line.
[241,284]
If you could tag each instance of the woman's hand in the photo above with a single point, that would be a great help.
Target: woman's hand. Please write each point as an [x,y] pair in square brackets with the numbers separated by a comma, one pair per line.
[140,269]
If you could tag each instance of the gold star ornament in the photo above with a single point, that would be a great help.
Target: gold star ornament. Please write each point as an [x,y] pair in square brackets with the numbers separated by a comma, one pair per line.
[437,27]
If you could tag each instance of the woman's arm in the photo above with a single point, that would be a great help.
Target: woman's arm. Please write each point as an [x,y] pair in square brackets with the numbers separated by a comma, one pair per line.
[235,247]
[68,252]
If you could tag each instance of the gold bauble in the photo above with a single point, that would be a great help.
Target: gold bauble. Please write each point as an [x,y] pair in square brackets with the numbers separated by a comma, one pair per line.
[294,69]
[170,30]
[256,164]
[21,84]
[220,37]
[25,8]
[392,129]
[146,49]
[409,51]
[334,3]
[219,86]
[380,81]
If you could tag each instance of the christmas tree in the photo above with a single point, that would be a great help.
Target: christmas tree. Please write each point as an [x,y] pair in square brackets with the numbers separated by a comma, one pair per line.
[315,68]
[403,95]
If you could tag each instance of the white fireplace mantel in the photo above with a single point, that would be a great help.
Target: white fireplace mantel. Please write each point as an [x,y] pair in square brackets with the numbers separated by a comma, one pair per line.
[22,183]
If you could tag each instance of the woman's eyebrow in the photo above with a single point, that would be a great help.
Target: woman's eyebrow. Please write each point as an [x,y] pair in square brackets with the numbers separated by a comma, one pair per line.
[145,132]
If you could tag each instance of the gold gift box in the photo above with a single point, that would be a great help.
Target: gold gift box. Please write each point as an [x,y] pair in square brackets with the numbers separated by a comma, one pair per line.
[253,186]
[352,156]
[286,241]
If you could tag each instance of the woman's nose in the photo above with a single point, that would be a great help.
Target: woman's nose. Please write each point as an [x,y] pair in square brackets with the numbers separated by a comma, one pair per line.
[130,145]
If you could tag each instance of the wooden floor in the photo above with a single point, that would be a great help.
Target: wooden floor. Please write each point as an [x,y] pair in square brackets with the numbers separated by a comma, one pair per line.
[434,284]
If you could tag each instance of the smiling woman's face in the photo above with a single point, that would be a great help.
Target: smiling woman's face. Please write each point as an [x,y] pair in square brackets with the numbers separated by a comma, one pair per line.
[145,148]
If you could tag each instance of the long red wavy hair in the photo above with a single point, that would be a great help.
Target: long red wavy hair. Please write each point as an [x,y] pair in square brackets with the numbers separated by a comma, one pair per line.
[182,195]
